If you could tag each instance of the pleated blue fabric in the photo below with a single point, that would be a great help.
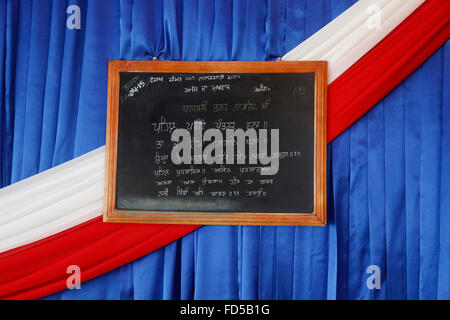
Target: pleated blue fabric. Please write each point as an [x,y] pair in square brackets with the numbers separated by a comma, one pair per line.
[388,175]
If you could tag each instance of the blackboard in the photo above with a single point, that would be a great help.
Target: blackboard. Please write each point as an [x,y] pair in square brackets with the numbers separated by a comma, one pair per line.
[216,143]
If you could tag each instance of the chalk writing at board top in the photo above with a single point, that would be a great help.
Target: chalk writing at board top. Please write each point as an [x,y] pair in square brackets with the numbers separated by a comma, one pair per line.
[220,107]
[200,107]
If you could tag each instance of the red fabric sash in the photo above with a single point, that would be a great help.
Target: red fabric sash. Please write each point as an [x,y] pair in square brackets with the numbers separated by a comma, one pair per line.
[39,269]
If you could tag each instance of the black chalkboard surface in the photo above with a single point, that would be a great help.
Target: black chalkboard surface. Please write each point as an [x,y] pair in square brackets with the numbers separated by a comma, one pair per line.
[198,145]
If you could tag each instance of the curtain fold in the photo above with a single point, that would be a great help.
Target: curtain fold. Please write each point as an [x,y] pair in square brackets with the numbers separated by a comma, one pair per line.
[388,174]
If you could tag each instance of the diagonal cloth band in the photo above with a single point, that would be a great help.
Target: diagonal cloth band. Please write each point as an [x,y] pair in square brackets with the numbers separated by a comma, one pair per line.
[39,268]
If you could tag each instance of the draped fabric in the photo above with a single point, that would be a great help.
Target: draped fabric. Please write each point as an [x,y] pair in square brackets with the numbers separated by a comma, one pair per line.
[397,220]
[72,193]
[354,33]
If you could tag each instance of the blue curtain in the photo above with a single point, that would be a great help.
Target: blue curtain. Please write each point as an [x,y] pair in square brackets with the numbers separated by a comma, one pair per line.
[388,175]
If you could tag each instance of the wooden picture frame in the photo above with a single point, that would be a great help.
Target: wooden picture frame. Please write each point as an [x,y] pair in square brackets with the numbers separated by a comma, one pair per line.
[315,218]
